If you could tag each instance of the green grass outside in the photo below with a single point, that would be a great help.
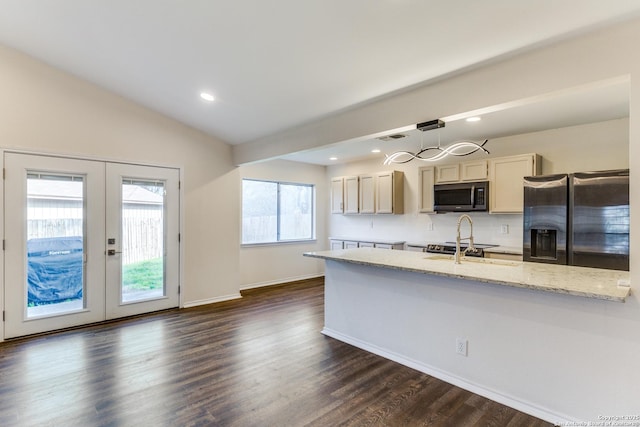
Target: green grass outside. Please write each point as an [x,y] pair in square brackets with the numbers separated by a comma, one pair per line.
[144,275]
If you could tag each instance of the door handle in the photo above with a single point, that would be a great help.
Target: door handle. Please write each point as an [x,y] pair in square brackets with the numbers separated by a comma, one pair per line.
[112,252]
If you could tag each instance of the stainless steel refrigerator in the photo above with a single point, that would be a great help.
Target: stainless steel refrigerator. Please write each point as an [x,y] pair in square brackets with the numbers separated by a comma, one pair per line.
[578,219]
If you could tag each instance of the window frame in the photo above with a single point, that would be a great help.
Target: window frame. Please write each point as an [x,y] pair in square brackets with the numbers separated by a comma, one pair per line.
[278,240]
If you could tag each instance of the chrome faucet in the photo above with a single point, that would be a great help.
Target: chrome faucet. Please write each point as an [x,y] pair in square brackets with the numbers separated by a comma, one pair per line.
[458,238]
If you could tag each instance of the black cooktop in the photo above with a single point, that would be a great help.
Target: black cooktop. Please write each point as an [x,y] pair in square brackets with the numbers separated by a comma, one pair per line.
[450,248]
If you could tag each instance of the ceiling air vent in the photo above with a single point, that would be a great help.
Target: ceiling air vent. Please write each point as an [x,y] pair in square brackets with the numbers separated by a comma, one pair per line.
[392,137]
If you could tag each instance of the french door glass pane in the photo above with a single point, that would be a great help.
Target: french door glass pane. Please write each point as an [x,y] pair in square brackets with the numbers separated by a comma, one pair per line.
[143,262]
[55,244]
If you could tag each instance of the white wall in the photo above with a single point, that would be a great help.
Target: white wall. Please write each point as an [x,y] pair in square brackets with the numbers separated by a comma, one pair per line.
[595,146]
[45,110]
[269,264]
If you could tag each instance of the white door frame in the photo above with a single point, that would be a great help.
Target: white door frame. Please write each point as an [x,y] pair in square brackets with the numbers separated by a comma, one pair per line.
[103,159]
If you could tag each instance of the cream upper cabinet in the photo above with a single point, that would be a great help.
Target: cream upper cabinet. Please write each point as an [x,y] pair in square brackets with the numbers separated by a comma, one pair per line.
[447,173]
[425,189]
[351,194]
[476,170]
[367,194]
[506,192]
[390,192]
[337,201]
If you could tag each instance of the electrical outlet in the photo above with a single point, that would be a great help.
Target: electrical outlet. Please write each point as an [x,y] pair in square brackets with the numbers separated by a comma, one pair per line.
[429,226]
[504,229]
[461,346]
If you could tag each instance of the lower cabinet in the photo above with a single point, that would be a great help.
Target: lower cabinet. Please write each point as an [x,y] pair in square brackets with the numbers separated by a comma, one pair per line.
[385,246]
[337,244]
[350,245]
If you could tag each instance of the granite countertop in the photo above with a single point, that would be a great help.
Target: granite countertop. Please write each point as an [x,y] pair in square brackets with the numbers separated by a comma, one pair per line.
[579,281]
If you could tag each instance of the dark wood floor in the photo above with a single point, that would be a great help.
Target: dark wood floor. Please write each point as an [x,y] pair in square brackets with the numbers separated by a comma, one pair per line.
[258,361]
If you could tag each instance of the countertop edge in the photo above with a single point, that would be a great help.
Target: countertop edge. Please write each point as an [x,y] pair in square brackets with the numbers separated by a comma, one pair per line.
[559,290]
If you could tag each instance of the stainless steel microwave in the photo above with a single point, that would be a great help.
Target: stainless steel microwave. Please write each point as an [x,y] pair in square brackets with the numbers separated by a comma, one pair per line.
[461,197]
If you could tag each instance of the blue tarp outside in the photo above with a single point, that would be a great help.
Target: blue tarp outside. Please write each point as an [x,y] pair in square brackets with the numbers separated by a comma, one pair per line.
[54,269]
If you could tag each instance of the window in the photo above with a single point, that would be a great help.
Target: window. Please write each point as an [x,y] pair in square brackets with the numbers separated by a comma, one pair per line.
[277,211]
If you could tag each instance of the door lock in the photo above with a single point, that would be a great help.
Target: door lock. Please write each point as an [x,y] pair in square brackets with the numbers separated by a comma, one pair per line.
[112,252]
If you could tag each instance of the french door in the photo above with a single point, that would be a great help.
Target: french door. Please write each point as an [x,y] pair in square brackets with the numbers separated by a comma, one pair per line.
[87,241]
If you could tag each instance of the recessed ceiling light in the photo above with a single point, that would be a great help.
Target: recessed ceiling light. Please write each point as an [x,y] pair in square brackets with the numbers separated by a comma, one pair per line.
[375,150]
[474,119]
[206,96]
[333,158]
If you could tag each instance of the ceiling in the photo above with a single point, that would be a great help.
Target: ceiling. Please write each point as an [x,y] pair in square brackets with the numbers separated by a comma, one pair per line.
[276,64]
[600,101]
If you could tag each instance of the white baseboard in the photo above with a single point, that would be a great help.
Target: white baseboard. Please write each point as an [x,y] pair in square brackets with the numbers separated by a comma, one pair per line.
[211,300]
[280,281]
[527,408]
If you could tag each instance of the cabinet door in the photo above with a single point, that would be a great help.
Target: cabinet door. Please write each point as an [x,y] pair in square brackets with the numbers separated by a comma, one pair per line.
[447,173]
[384,246]
[425,189]
[365,245]
[351,195]
[389,192]
[337,202]
[384,193]
[367,194]
[350,245]
[474,171]
[506,181]
[336,244]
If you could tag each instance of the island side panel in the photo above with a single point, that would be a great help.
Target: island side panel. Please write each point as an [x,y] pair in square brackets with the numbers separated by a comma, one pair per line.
[554,356]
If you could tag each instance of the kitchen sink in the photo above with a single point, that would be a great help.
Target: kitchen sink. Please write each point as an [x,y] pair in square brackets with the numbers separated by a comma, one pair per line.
[475,260]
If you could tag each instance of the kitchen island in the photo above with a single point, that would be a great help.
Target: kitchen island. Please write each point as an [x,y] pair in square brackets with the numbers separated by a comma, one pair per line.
[540,338]
[596,283]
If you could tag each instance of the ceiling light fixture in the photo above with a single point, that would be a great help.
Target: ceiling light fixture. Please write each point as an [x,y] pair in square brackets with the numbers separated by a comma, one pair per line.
[458,148]
[474,119]
[375,150]
[207,96]
[333,158]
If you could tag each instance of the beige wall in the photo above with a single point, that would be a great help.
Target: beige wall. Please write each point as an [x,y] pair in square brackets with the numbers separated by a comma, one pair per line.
[269,264]
[45,110]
